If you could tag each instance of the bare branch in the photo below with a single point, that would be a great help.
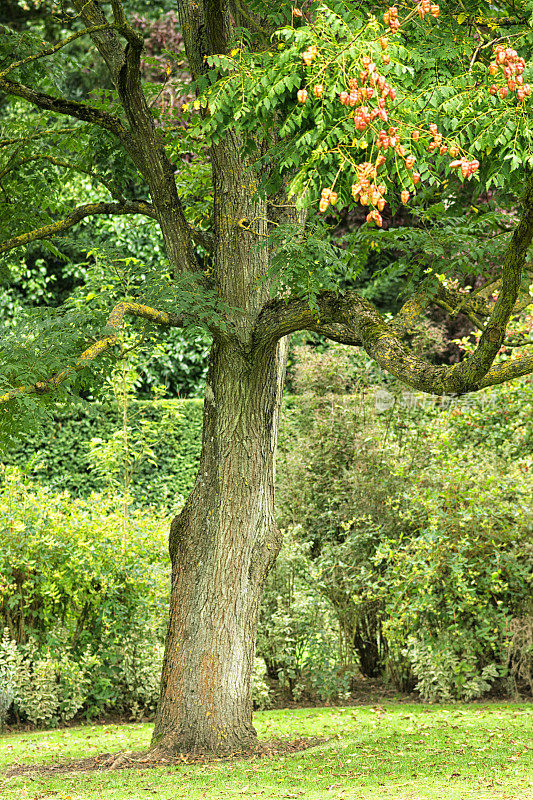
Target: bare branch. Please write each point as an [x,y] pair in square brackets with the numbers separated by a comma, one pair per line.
[111,331]
[79,213]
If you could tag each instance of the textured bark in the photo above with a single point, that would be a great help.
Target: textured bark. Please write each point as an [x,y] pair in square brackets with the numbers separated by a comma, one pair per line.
[221,546]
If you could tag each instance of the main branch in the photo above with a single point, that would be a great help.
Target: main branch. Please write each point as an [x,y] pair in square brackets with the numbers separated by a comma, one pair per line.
[110,338]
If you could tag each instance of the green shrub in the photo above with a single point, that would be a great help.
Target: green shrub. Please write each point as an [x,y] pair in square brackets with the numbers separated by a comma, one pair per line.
[417,539]
[10,666]
[261,694]
[84,598]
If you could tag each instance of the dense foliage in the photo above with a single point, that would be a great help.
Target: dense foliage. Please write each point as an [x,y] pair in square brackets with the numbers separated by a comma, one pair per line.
[395,563]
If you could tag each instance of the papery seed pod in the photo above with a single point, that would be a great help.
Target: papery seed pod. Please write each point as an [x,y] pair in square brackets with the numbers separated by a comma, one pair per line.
[433,128]
[415,136]
[383,115]
[343,97]
[384,42]
[520,94]
[454,151]
[455,164]
[503,91]
[323,205]
[380,160]
[443,149]
[333,198]
[302,95]
[352,83]
[493,89]
[416,177]
[474,166]
[400,150]
[493,69]
[318,90]
[404,196]
[326,193]
[386,58]
[381,204]
[410,162]
[364,199]
[392,93]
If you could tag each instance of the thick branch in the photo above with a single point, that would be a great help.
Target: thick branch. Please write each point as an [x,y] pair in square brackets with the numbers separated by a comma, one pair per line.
[87,210]
[353,320]
[144,143]
[110,338]
[69,108]
[472,369]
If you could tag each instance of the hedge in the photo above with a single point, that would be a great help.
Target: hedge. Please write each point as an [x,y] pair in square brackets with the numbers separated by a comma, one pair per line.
[65,464]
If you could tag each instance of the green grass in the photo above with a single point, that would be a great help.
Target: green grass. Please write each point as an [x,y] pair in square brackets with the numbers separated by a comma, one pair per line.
[394,752]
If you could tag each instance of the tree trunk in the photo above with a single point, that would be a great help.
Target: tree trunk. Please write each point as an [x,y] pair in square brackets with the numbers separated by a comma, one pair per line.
[222,545]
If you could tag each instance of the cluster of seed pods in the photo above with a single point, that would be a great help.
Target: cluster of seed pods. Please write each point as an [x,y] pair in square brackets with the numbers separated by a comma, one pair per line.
[372,86]
[427,7]
[512,65]
[423,7]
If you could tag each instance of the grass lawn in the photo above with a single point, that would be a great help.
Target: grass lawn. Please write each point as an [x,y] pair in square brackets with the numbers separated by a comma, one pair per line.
[396,751]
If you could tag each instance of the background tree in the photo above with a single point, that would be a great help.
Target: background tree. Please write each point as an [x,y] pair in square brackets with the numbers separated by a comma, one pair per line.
[279,92]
